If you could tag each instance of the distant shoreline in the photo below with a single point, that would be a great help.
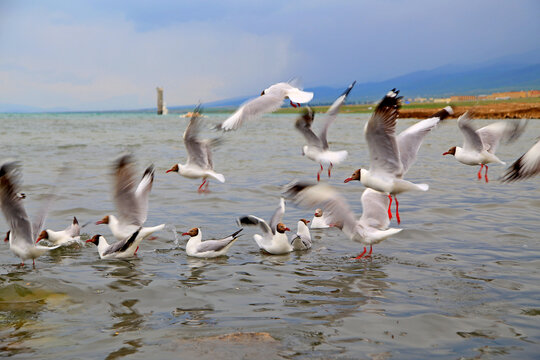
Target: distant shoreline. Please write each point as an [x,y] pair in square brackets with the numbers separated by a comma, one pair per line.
[502,109]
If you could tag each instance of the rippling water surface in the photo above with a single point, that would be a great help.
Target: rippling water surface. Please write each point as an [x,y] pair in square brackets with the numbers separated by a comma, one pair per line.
[462,280]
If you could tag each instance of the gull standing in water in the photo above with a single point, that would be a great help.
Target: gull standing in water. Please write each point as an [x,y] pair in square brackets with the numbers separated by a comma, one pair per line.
[209,248]
[199,163]
[122,249]
[319,220]
[480,145]
[302,241]
[131,200]
[274,240]
[370,229]
[22,233]
[317,148]
[70,234]
[269,101]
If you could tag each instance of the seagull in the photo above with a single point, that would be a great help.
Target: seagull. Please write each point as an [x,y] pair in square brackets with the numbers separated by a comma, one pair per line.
[70,234]
[199,163]
[391,156]
[480,145]
[302,241]
[131,201]
[274,240]
[526,166]
[22,233]
[371,228]
[122,249]
[319,221]
[317,148]
[209,248]
[269,101]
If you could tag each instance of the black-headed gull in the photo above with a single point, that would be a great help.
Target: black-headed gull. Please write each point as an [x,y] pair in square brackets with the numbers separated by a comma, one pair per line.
[131,200]
[274,239]
[319,220]
[391,156]
[199,162]
[302,241]
[526,166]
[208,248]
[479,146]
[122,249]
[70,234]
[317,147]
[370,229]
[269,101]
[22,232]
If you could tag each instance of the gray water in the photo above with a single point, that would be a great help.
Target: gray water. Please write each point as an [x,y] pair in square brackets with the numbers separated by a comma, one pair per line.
[461,281]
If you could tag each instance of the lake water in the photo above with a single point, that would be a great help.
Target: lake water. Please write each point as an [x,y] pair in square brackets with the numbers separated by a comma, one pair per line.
[461,281]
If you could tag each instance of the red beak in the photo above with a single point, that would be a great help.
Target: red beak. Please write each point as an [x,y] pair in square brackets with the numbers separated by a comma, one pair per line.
[184,234]
[99,222]
[168,171]
[347,180]
[308,221]
[38,239]
[446,153]
[287,229]
[87,241]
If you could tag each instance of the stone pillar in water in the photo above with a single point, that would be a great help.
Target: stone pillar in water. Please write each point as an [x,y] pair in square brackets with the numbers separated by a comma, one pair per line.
[159,100]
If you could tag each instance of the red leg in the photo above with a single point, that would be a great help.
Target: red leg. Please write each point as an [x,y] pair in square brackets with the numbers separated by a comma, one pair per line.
[34,262]
[292,104]
[362,254]
[319,173]
[206,186]
[390,207]
[200,187]
[480,172]
[137,249]
[370,250]
[330,169]
[486,174]
[397,210]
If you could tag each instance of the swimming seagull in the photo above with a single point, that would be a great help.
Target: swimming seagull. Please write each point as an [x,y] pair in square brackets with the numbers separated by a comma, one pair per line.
[131,200]
[302,241]
[269,101]
[70,234]
[317,147]
[274,240]
[209,248]
[391,156]
[319,220]
[199,163]
[371,228]
[526,166]
[122,249]
[480,145]
[22,232]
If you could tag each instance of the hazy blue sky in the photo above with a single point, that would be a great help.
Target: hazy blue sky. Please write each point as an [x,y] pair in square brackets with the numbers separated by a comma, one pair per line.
[112,54]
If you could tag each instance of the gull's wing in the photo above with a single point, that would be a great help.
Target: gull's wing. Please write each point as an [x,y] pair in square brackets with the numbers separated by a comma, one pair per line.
[217,245]
[251,220]
[142,193]
[374,210]
[122,245]
[526,166]
[252,109]
[12,207]
[380,132]
[472,140]
[335,208]
[492,134]
[74,229]
[409,140]
[303,124]
[332,113]
[129,207]
[278,215]
[198,150]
